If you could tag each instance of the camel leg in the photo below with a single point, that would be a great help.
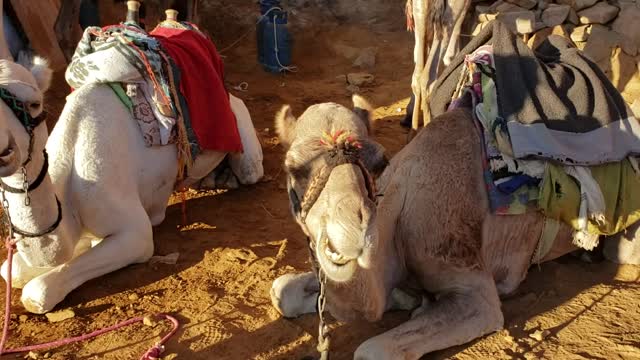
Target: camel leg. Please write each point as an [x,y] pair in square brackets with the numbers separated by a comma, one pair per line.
[295,294]
[21,272]
[429,74]
[131,243]
[459,13]
[624,248]
[455,318]
[420,21]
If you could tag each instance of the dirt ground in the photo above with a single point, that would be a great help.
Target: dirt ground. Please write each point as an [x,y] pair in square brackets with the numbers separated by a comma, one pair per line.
[237,242]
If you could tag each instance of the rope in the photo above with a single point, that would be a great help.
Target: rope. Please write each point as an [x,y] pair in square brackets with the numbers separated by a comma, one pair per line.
[249,31]
[152,354]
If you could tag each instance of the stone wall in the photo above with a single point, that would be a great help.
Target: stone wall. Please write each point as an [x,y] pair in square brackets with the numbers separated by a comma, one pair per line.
[607,31]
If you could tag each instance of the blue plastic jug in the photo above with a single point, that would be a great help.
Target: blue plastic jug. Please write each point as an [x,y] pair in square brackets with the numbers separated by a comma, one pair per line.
[273,39]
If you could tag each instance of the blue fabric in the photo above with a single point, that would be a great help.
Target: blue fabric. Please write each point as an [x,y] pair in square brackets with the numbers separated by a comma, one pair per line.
[515,182]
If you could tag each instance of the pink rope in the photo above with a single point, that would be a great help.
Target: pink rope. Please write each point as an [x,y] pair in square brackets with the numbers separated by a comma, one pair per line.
[152,354]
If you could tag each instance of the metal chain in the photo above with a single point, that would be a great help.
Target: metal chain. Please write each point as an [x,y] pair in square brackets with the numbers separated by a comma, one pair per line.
[25,187]
[323,329]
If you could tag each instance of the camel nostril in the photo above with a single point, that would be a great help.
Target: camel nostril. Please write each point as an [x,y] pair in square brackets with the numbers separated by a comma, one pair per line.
[8,151]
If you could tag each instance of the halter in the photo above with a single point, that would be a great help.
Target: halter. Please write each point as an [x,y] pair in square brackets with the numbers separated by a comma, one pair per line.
[341,148]
[20,110]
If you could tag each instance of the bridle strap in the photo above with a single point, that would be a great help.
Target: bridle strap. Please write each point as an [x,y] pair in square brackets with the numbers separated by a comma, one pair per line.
[34,185]
[45,232]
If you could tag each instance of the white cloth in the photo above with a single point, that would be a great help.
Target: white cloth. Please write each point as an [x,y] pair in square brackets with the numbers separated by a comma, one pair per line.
[592,205]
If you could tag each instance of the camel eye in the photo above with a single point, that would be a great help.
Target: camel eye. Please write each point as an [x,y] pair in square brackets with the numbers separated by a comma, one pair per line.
[34,106]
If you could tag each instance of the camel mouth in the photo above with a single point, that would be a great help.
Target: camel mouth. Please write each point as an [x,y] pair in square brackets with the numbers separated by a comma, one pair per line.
[8,162]
[336,266]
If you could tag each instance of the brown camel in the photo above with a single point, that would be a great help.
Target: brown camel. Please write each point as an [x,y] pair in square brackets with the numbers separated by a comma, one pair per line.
[428,223]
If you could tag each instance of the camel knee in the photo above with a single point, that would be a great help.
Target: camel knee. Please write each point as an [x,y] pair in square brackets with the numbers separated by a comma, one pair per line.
[21,273]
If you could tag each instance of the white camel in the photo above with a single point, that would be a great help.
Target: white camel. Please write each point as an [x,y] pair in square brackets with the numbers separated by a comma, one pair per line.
[428,224]
[93,210]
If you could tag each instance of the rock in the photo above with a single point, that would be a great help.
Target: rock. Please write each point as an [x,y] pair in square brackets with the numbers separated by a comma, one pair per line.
[628,18]
[341,78]
[623,69]
[134,297]
[577,4]
[32,355]
[522,22]
[367,58]
[635,108]
[60,315]
[484,18]
[540,36]
[555,14]
[573,17]
[539,334]
[353,89]
[348,52]
[628,45]
[23,318]
[542,4]
[360,79]
[149,321]
[170,356]
[601,42]
[47,355]
[581,33]
[508,7]
[600,13]
[527,4]
[170,259]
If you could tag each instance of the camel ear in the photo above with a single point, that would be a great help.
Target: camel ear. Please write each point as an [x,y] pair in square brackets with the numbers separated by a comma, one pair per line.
[363,109]
[285,126]
[42,73]
[374,157]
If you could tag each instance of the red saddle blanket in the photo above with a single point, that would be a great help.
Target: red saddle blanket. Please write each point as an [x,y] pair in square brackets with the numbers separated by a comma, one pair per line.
[202,85]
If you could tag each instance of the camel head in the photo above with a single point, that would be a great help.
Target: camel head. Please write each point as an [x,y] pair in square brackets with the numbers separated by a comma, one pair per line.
[331,162]
[21,112]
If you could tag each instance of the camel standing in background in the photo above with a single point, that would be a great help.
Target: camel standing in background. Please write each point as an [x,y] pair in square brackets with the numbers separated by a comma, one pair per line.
[436,25]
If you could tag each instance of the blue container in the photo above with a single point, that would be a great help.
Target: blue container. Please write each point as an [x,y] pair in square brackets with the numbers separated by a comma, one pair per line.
[273,39]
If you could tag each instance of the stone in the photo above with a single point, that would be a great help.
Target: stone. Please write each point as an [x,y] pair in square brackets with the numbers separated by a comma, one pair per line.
[581,33]
[32,355]
[60,315]
[600,43]
[367,58]
[573,17]
[348,52]
[540,36]
[555,14]
[484,18]
[23,318]
[134,297]
[360,79]
[527,4]
[635,108]
[542,4]
[577,4]
[628,18]
[600,13]
[509,7]
[149,321]
[353,89]
[623,69]
[539,335]
[522,22]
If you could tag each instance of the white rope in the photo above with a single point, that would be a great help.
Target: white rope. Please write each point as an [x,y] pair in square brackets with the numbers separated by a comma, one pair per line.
[275,35]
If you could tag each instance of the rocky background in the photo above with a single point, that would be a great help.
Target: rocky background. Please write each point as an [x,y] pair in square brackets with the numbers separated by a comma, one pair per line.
[607,31]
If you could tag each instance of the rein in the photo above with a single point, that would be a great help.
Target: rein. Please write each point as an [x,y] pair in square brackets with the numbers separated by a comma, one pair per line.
[342,148]
[19,109]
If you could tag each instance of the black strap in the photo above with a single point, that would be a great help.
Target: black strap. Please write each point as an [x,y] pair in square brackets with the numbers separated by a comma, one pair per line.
[47,231]
[34,185]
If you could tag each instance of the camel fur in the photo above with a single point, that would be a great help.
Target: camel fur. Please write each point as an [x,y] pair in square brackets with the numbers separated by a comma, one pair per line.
[432,227]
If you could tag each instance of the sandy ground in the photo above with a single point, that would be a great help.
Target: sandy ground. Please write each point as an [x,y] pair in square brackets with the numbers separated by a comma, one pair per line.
[237,242]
